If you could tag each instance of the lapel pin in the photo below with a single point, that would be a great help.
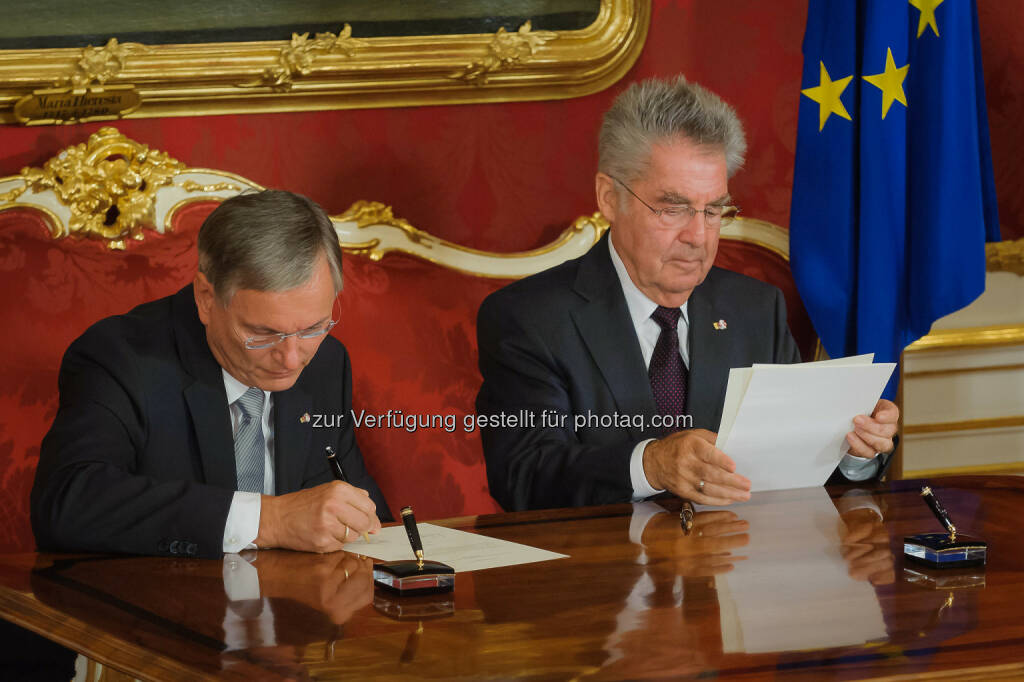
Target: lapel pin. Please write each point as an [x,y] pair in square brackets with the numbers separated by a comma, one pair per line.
[304,418]
[720,325]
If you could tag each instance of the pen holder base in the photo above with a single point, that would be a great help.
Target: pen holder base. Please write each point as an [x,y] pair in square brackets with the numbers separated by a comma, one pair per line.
[936,550]
[408,577]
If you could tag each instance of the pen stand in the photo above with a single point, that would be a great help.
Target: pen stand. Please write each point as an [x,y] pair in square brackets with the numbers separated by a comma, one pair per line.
[943,550]
[410,577]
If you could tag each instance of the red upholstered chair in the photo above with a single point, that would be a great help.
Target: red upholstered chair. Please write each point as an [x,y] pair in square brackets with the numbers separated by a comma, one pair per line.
[52,290]
[408,319]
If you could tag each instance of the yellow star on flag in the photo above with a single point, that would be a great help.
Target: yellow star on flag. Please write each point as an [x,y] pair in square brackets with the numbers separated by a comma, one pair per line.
[890,82]
[827,94]
[927,8]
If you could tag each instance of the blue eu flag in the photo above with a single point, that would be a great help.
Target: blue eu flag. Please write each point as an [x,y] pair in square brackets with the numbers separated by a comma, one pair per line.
[893,196]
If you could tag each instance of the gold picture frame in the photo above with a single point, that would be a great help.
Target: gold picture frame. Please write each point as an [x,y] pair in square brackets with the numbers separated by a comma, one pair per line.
[325,71]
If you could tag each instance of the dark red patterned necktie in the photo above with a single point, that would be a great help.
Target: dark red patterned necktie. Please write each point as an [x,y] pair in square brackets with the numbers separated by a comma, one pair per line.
[667,371]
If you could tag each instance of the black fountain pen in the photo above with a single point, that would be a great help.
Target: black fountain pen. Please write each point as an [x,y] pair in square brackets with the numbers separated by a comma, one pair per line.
[944,550]
[408,577]
[414,535]
[940,512]
[332,459]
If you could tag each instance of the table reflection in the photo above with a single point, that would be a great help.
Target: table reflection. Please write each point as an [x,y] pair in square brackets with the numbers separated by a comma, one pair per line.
[811,594]
[792,582]
[863,539]
[740,569]
[269,594]
[257,608]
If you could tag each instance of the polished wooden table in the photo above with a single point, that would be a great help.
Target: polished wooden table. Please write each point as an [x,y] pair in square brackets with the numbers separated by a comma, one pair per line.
[800,583]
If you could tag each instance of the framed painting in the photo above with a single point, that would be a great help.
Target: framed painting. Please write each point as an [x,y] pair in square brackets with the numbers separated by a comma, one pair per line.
[64,61]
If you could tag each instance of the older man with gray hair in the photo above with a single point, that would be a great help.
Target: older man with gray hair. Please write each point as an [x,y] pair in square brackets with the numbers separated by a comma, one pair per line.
[621,355]
[185,426]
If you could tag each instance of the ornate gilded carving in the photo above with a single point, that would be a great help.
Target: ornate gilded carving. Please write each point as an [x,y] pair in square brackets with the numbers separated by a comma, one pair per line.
[192,186]
[366,213]
[388,71]
[1005,257]
[505,50]
[296,58]
[12,195]
[595,220]
[109,184]
[111,187]
[100,64]
[83,94]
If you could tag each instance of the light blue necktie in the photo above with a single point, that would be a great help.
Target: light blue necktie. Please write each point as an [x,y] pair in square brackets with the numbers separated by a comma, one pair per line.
[250,445]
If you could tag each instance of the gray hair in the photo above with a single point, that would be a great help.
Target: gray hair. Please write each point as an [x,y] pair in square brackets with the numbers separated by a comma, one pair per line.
[266,241]
[655,110]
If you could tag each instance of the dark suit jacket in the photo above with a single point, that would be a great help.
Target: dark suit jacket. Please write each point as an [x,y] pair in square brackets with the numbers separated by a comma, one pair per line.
[140,457]
[562,340]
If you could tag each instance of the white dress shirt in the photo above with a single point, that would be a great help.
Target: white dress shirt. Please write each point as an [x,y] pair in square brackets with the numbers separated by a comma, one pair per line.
[243,523]
[647,331]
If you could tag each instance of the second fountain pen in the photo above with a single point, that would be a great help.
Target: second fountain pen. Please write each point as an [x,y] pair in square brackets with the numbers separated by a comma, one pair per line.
[339,473]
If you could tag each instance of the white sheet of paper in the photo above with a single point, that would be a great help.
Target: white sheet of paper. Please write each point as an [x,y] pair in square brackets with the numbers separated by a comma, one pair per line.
[461,550]
[791,421]
[739,379]
[761,600]
[865,359]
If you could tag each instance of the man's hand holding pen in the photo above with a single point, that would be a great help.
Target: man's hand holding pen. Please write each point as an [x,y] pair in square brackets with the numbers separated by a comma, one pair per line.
[319,519]
[335,465]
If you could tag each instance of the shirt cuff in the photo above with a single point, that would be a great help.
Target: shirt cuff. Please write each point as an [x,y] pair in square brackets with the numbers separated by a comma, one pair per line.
[243,524]
[641,486]
[642,514]
[852,500]
[241,579]
[858,468]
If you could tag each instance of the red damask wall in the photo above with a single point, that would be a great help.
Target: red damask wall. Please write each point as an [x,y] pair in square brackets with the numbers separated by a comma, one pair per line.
[498,177]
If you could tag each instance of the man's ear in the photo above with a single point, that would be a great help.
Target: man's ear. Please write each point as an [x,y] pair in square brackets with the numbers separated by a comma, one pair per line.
[607,197]
[206,298]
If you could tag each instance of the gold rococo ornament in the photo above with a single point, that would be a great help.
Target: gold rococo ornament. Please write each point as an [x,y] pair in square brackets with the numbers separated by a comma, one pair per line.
[109,183]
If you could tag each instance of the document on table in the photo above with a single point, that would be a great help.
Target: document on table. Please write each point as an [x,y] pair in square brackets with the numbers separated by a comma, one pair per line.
[461,550]
[785,426]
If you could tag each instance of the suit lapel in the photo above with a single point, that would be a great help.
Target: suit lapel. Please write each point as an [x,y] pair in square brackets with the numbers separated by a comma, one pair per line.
[607,330]
[708,353]
[207,402]
[291,437]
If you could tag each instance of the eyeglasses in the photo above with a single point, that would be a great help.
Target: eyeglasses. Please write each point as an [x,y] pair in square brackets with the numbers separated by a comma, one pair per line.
[261,341]
[679,215]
